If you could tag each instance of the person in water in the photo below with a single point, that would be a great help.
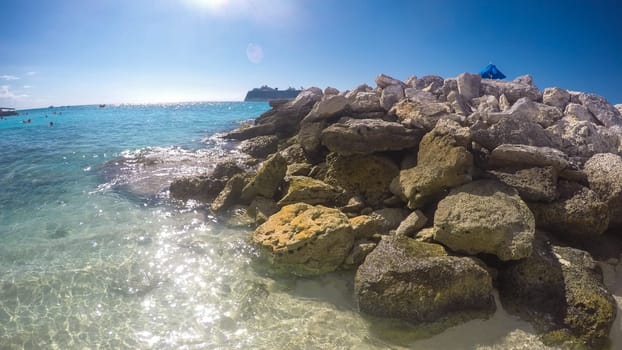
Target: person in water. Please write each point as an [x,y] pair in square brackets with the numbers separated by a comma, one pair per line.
[51,123]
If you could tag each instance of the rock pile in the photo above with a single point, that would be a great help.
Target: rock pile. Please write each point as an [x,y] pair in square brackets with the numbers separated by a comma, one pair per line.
[437,191]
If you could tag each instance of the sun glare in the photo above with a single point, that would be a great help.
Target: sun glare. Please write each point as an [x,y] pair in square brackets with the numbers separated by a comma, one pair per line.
[211,5]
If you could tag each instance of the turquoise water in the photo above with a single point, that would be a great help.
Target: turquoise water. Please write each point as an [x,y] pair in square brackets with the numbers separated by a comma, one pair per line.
[94,254]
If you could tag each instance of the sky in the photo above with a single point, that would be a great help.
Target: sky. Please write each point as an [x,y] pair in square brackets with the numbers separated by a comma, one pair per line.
[71,52]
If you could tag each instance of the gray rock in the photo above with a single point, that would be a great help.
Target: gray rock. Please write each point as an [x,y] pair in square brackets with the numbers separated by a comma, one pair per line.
[367,136]
[332,106]
[260,146]
[604,173]
[524,79]
[579,112]
[303,189]
[230,194]
[310,138]
[351,95]
[533,184]
[358,253]
[577,213]
[367,226]
[383,81]
[459,104]
[419,96]
[267,180]
[449,85]
[561,292]
[511,130]
[423,114]
[391,95]
[556,97]
[602,110]
[390,218]
[411,81]
[294,154]
[529,110]
[430,83]
[413,223]
[523,155]
[513,91]
[420,283]
[582,139]
[469,85]
[619,107]
[485,217]
[365,102]
[330,91]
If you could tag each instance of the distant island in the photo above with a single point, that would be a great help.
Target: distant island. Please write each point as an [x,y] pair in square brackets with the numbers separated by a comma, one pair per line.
[266,93]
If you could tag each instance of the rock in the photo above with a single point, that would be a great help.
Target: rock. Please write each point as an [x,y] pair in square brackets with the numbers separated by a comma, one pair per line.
[524,79]
[430,83]
[459,104]
[383,81]
[418,282]
[367,176]
[390,218]
[529,110]
[415,95]
[354,205]
[411,81]
[449,85]
[298,169]
[365,102]
[359,252]
[533,184]
[310,138]
[513,91]
[582,139]
[201,188]
[577,213]
[294,154]
[504,104]
[425,235]
[556,97]
[226,169]
[413,222]
[485,216]
[305,240]
[619,107]
[332,106]
[237,217]
[230,194]
[602,110]
[421,114]
[330,91]
[391,95]
[469,85]
[442,164]
[529,156]
[246,132]
[260,146]
[367,136]
[579,112]
[560,291]
[452,126]
[261,208]
[366,226]
[511,130]
[303,189]
[267,180]
[351,95]
[604,174]
[486,104]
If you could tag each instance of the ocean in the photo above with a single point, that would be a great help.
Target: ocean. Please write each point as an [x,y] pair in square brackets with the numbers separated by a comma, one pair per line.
[94,253]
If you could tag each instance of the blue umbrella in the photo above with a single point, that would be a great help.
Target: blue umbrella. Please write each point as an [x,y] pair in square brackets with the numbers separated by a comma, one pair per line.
[491,72]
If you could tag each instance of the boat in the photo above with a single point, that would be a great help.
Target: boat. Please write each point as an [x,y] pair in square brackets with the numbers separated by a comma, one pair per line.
[5,112]
[102,105]
[266,93]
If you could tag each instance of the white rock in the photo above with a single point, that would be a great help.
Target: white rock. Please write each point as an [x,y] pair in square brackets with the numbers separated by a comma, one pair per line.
[556,97]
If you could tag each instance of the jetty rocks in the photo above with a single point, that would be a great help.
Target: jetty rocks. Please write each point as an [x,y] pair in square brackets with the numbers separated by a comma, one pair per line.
[437,192]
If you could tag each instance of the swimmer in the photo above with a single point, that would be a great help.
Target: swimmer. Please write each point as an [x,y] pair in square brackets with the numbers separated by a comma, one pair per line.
[51,123]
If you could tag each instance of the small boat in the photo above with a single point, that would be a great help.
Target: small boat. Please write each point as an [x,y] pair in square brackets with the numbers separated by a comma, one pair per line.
[102,105]
[7,111]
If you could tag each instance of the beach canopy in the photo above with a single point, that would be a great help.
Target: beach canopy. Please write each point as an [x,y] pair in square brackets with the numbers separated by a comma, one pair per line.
[491,72]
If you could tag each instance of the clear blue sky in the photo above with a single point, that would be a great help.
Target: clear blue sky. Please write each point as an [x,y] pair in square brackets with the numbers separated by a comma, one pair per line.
[109,51]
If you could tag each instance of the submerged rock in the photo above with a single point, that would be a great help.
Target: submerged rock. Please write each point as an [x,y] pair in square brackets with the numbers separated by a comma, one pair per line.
[485,217]
[419,282]
[304,240]
[560,290]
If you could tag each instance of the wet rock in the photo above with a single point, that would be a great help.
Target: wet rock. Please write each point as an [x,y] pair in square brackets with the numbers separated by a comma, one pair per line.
[261,146]
[604,174]
[602,110]
[556,97]
[533,184]
[485,217]
[442,164]
[418,282]
[577,213]
[529,156]
[230,194]
[469,85]
[513,91]
[511,130]
[413,222]
[267,180]
[391,95]
[560,291]
[366,176]
[303,189]
[368,136]
[305,240]
[201,188]
[384,81]
[424,114]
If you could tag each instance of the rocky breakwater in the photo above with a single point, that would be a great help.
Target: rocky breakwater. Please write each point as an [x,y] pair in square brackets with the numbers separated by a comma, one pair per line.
[436,192]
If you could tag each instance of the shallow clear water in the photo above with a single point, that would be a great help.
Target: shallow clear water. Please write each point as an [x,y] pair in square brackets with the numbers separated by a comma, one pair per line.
[93,254]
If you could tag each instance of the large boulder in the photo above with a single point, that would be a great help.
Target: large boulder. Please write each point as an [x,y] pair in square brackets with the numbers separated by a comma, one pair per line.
[527,109]
[469,85]
[383,81]
[423,114]
[582,139]
[579,112]
[556,97]
[604,174]
[366,102]
[510,130]
[369,176]
[442,163]
[485,216]
[310,138]
[419,282]
[528,156]
[537,184]
[304,240]
[607,114]
[577,213]
[267,180]
[332,106]
[391,95]
[411,224]
[260,146]
[366,136]
[430,83]
[303,189]
[561,292]
[512,90]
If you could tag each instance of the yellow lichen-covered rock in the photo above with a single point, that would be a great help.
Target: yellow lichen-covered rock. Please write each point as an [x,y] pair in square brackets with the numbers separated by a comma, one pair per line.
[365,175]
[303,189]
[442,163]
[302,239]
